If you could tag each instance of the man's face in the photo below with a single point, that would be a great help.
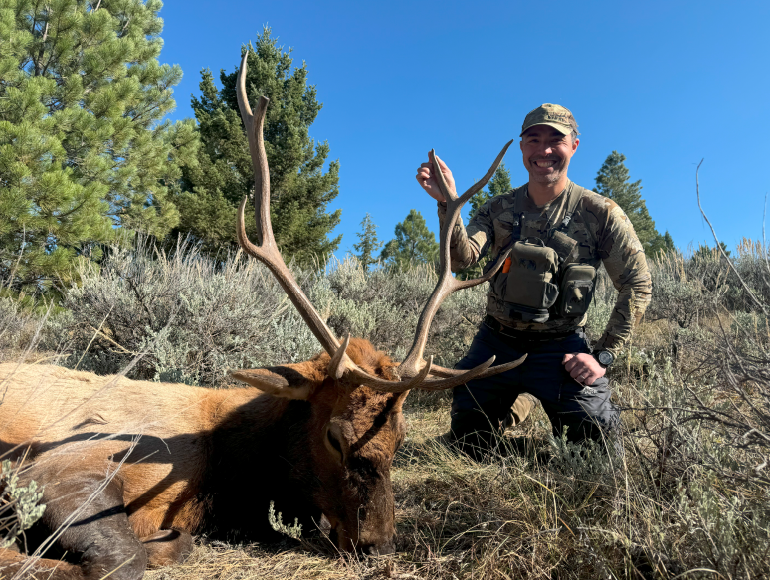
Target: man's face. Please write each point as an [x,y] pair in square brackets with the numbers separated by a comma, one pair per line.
[546,153]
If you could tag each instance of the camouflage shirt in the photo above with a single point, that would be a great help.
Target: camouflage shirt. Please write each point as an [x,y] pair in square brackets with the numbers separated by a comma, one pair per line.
[602,231]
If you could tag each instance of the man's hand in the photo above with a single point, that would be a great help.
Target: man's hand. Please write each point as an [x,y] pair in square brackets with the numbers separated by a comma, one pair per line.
[427,179]
[582,367]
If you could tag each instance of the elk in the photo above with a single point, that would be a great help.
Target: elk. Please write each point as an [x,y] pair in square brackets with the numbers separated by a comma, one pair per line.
[131,469]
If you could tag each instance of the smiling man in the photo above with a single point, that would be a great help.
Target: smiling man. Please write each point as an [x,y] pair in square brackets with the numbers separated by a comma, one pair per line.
[558,234]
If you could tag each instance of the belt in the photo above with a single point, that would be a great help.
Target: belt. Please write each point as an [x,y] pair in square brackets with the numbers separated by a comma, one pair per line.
[509,333]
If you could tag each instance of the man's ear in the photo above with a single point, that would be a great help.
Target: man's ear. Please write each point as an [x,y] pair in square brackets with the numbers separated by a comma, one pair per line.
[290,381]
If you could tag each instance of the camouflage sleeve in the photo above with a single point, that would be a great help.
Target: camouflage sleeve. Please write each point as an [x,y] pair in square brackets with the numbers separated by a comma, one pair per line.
[468,245]
[623,257]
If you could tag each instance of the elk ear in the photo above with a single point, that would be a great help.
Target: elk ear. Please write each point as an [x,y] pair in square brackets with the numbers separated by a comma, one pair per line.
[290,381]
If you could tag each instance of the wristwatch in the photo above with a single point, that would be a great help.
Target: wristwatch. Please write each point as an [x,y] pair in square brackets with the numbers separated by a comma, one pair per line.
[605,357]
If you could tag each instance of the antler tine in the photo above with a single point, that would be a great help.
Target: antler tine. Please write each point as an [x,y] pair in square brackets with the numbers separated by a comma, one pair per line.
[254,131]
[482,371]
[453,378]
[386,386]
[243,99]
[336,369]
[267,252]
[414,370]
[447,283]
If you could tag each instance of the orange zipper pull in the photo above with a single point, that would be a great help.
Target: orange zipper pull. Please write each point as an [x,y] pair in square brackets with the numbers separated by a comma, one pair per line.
[507,265]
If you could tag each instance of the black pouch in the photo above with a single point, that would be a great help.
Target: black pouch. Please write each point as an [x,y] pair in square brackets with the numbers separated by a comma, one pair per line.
[577,290]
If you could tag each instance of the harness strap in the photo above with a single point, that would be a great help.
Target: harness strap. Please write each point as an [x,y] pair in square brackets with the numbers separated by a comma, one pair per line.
[518,213]
[575,194]
[558,241]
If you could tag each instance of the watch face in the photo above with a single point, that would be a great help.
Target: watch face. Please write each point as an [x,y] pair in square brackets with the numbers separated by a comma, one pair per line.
[605,357]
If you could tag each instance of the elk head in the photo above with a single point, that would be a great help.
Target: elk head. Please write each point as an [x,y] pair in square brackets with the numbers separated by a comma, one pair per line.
[356,393]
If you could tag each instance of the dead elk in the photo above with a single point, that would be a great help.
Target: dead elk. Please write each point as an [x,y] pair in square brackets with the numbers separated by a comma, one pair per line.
[131,469]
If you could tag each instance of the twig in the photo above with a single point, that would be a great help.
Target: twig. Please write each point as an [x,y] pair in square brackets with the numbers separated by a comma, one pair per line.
[21,253]
[90,342]
[721,249]
[104,336]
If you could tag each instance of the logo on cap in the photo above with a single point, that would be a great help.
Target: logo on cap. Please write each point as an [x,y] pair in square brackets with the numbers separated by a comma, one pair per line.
[556,116]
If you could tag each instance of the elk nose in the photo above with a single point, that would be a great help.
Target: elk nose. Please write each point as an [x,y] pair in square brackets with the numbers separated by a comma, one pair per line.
[382,549]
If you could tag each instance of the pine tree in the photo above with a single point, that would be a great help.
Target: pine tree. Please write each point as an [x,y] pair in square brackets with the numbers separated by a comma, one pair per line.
[499,184]
[612,181]
[414,243]
[300,188]
[368,244]
[668,242]
[707,253]
[81,146]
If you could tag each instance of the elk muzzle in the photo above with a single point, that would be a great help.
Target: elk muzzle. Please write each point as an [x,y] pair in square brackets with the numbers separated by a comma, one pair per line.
[368,522]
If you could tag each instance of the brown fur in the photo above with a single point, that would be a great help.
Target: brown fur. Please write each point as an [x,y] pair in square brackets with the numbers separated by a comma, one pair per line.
[154,456]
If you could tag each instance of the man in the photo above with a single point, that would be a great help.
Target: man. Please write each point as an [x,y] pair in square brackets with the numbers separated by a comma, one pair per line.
[558,233]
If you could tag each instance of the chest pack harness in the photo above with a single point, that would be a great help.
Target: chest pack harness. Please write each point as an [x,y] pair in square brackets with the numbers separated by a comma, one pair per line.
[537,281]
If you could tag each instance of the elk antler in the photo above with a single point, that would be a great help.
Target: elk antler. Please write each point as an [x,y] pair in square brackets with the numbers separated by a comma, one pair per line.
[448,284]
[267,252]
[414,371]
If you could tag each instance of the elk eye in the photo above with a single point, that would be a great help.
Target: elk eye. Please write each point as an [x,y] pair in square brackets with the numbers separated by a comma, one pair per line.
[334,442]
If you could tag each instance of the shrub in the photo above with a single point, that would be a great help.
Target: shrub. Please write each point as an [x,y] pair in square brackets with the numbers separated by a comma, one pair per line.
[19,504]
[384,305]
[187,318]
[184,317]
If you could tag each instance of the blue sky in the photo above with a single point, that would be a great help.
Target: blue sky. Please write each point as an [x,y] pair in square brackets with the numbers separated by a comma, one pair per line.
[665,83]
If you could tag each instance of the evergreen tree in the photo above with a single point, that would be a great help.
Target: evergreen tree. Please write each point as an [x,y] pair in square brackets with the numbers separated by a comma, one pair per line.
[499,184]
[368,244]
[707,253]
[612,181]
[668,243]
[414,243]
[300,188]
[81,146]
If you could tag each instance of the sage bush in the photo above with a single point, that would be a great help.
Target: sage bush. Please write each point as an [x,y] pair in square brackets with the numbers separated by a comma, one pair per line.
[183,317]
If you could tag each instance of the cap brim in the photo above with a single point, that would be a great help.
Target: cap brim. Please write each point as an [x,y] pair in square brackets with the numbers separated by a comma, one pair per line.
[563,129]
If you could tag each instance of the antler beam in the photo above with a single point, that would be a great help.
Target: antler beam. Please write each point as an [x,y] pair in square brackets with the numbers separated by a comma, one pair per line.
[447,283]
[267,252]
[414,371]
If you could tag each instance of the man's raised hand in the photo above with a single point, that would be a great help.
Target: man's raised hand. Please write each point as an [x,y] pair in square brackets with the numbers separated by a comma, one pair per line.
[427,180]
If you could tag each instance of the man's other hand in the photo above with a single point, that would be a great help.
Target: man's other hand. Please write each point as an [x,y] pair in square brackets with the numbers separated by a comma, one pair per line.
[582,367]
[427,180]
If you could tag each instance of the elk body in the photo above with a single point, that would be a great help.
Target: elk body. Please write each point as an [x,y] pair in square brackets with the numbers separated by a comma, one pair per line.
[131,469]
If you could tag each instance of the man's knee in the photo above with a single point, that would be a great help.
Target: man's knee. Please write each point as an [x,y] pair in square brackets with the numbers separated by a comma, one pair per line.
[478,410]
[594,415]
[474,431]
[467,421]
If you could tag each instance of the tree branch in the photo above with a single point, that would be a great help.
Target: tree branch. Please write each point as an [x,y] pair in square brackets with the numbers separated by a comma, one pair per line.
[719,246]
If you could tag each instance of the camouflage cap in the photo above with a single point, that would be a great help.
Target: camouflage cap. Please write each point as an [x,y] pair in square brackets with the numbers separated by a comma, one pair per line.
[556,116]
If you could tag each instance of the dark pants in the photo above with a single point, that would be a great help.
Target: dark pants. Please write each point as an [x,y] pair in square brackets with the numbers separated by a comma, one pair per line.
[480,408]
